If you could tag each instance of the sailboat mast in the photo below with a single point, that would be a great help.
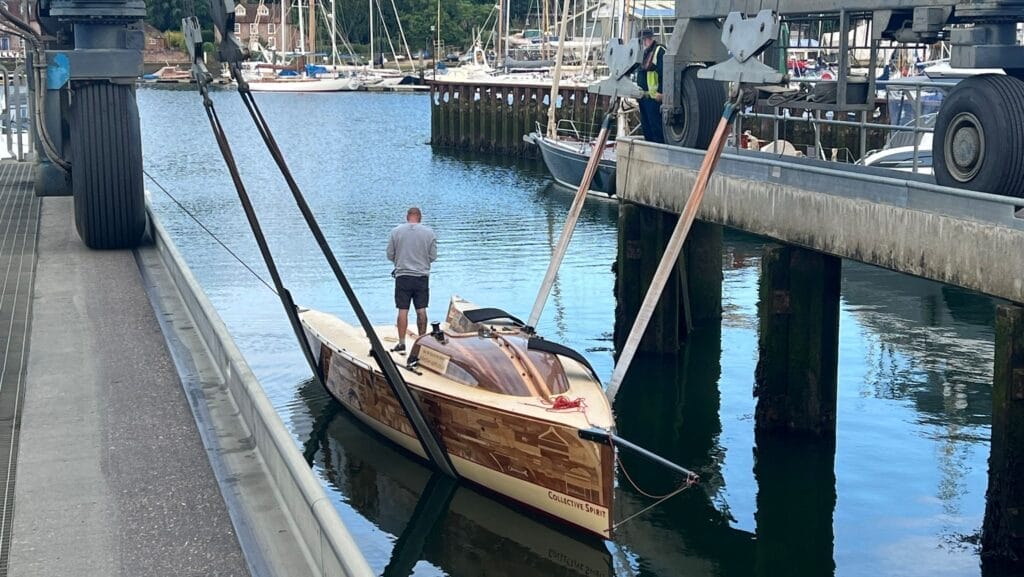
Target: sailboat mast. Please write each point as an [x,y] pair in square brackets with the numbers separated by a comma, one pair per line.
[284,26]
[501,25]
[508,29]
[312,26]
[302,29]
[556,76]
[334,34]
[372,55]
[544,30]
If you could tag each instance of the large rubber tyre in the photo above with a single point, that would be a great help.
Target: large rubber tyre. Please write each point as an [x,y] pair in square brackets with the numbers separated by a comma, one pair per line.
[979,136]
[106,166]
[701,103]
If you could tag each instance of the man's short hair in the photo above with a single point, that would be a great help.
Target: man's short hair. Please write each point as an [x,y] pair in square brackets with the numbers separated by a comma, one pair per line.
[413,211]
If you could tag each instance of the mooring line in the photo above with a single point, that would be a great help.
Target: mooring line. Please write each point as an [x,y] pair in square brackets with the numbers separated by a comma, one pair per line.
[209,232]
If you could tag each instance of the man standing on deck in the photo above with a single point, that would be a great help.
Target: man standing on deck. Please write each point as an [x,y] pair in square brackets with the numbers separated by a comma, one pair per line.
[411,247]
[648,78]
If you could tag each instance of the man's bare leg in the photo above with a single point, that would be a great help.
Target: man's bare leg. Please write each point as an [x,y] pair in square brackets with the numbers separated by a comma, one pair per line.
[403,325]
[421,320]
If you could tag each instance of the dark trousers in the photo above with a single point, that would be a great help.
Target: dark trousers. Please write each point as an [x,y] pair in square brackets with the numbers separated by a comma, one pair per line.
[650,120]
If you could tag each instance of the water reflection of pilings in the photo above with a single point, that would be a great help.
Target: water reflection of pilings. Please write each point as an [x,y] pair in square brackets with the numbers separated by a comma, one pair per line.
[671,406]
[796,500]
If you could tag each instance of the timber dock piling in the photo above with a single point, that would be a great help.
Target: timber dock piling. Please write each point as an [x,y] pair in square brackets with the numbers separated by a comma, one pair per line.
[493,117]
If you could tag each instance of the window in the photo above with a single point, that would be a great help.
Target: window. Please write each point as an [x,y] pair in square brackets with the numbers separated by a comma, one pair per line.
[270,28]
[239,10]
[272,43]
[263,11]
[238,28]
[254,29]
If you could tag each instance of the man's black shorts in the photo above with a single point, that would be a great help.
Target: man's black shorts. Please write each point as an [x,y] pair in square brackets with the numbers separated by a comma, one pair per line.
[412,288]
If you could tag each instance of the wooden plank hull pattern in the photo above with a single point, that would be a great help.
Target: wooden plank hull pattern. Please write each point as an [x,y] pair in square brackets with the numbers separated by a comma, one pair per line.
[541,463]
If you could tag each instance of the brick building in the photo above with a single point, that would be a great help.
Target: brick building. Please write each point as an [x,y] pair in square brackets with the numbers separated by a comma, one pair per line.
[261,23]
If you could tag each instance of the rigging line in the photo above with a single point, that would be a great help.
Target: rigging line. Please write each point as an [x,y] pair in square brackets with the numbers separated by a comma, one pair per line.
[209,232]
[257,230]
[615,526]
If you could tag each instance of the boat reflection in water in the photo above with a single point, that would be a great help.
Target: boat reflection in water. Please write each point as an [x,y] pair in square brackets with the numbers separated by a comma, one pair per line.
[437,521]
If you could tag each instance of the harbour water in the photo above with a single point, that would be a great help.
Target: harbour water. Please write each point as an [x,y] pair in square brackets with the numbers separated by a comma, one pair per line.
[901,493]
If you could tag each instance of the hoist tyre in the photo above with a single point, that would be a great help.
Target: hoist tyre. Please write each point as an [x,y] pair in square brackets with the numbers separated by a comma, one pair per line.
[701,102]
[979,136]
[106,166]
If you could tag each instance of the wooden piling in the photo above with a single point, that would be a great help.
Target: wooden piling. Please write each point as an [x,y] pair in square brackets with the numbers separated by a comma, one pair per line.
[798,342]
[494,116]
[1002,537]
[702,255]
[643,236]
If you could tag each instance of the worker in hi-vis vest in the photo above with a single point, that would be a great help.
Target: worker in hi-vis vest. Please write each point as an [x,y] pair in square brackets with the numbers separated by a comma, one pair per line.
[648,78]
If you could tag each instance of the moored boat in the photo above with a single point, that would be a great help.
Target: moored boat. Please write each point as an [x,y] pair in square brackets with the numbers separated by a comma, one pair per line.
[305,84]
[567,158]
[509,407]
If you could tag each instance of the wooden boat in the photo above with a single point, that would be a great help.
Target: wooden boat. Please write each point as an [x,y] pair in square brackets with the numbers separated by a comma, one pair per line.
[509,408]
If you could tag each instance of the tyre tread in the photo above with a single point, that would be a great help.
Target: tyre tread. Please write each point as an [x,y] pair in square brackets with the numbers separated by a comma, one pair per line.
[106,176]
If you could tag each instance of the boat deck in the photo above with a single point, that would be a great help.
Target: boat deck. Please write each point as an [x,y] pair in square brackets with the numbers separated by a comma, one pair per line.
[351,340]
[112,477]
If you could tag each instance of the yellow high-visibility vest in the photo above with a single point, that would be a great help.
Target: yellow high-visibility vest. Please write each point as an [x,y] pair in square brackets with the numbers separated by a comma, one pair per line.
[653,82]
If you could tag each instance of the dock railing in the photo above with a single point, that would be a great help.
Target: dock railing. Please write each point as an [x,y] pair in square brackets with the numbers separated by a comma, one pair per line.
[903,104]
[16,123]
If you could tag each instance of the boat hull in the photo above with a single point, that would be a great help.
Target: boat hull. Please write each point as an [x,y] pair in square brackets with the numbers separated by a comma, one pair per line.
[542,464]
[567,167]
[306,85]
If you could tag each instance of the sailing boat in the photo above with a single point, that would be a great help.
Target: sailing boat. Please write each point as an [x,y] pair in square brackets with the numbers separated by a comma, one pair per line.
[313,78]
[512,409]
[566,154]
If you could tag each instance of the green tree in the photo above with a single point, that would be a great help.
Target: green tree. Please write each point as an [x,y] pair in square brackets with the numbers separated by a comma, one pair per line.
[167,14]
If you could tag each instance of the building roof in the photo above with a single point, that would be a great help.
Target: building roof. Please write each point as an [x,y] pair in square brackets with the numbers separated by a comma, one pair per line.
[247,13]
[654,9]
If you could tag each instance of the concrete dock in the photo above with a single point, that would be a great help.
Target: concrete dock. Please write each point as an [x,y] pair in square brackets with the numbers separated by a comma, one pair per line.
[897,221]
[134,452]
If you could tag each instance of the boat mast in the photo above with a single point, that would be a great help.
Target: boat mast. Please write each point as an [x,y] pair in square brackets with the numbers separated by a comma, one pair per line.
[334,33]
[508,29]
[544,30]
[501,25]
[312,28]
[622,119]
[557,75]
[372,55]
[302,29]
[284,27]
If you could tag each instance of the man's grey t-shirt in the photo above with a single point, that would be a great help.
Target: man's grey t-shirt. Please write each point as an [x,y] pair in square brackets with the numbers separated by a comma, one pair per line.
[412,247]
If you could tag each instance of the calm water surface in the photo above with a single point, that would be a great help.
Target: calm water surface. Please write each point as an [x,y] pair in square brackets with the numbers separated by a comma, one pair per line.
[901,493]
